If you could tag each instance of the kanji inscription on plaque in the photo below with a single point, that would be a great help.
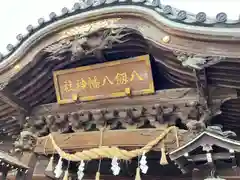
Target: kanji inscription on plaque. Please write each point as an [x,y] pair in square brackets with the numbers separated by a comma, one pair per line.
[120,78]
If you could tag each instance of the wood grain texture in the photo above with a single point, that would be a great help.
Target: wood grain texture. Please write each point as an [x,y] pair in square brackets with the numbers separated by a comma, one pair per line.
[129,139]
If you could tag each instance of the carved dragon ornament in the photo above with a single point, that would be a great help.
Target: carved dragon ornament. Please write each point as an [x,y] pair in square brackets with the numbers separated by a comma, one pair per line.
[197,62]
[87,43]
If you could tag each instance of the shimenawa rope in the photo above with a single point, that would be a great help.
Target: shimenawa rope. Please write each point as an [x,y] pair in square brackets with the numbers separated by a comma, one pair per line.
[111,152]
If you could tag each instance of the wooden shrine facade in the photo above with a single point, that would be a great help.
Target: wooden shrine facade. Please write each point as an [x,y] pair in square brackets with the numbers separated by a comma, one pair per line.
[121,80]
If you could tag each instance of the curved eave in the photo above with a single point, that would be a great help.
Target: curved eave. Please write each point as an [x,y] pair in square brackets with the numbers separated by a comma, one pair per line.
[206,138]
[152,13]
[13,161]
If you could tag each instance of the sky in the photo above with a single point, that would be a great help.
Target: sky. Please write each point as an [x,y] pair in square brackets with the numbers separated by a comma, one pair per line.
[16,15]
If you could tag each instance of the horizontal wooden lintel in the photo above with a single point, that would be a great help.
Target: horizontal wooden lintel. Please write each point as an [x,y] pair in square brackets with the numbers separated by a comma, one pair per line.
[129,139]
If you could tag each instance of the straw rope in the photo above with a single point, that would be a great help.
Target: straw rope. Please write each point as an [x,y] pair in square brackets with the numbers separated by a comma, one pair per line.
[110,152]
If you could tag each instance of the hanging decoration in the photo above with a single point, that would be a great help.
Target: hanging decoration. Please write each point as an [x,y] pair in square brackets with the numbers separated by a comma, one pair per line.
[138,174]
[143,164]
[97,177]
[58,169]
[80,172]
[163,160]
[50,165]
[65,175]
[115,167]
[113,153]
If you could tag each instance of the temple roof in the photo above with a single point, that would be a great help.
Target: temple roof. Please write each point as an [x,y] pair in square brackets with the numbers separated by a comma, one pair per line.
[180,14]
[195,6]
[205,140]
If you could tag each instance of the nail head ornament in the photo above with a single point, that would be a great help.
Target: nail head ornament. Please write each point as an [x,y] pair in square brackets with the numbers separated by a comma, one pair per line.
[166,39]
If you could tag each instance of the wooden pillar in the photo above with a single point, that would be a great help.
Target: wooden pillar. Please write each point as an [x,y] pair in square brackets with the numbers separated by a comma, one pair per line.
[29,159]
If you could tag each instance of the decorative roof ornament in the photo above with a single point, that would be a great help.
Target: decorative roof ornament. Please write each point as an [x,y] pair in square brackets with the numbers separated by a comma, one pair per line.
[76,6]
[65,11]
[154,3]
[196,61]
[167,9]
[221,17]
[19,37]
[98,2]
[181,15]
[10,47]
[85,3]
[52,16]
[30,28]
[41,21]
[201,17]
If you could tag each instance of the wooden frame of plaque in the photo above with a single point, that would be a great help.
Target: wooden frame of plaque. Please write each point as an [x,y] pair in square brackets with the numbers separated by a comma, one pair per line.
[119,78]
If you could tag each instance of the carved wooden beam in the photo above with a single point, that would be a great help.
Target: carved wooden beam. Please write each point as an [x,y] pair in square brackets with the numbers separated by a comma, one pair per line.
[178,97]
[6,95]
[129,139]
[163,107]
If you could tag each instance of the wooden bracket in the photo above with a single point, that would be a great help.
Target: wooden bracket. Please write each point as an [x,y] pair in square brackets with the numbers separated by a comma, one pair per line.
[7,96]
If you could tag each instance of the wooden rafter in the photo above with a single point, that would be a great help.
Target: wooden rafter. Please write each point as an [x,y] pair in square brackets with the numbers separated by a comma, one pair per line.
[129,139]
[7,96]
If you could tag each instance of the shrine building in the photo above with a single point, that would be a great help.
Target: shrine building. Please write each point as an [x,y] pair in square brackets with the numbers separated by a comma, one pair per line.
[117,89]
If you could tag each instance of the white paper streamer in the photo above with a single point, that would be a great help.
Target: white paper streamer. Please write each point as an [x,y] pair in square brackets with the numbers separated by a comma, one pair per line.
[143,164]
[80,172]
[115,167]
[58,169]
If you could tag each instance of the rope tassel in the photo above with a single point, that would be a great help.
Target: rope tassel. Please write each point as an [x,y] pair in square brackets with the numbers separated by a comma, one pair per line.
[163,160]
[138,176]
[65,175]
[97,177]
[50,165]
